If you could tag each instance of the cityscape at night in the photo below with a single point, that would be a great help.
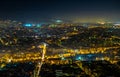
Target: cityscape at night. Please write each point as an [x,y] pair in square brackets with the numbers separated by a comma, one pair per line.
[60,38]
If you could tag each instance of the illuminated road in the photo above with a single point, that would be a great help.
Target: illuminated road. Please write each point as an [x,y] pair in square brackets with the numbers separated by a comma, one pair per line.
[39,64]
[36,56]
[86,70]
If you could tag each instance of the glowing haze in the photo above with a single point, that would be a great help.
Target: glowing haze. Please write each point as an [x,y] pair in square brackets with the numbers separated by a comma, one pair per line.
[73,10]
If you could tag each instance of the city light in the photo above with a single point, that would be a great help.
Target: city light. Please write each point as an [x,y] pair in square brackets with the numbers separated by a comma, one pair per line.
[28,25]
[58,21]
[60,38]
[79,58]
[61,45]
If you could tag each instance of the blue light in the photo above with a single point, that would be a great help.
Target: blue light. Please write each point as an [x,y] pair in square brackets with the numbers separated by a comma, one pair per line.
[28,25]
[79,58]
[58,21]
[89,55]
[39,25]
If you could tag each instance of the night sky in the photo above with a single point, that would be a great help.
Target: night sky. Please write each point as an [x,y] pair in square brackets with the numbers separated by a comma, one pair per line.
[46,10]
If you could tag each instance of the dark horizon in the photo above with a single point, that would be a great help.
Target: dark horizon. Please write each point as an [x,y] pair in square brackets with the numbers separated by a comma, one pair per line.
[46,10]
